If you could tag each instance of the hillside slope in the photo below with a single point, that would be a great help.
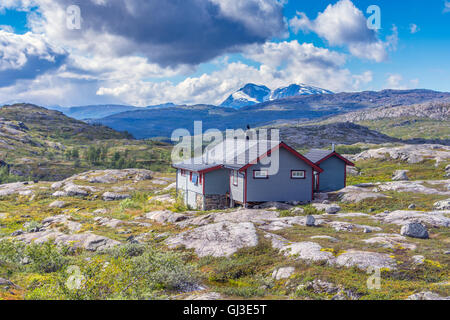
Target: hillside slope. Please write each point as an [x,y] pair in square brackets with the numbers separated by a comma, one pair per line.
[47,145]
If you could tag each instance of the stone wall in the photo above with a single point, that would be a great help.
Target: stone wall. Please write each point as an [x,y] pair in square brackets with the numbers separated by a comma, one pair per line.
[215,202]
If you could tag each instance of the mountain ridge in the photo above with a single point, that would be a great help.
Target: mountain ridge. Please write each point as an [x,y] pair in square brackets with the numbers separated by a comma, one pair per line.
[251,94]
[162,122]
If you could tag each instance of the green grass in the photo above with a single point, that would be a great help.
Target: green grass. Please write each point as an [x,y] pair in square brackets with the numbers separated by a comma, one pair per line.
[376,170]
[410,128]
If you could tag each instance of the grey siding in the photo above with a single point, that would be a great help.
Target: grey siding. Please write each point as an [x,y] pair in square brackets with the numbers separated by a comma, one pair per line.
[237,192]
[333,176]
[217,182]
[281,187]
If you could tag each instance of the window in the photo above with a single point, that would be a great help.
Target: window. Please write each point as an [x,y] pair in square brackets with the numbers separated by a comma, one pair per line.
[260,174]
[298,174]
[195,178]
[235,178]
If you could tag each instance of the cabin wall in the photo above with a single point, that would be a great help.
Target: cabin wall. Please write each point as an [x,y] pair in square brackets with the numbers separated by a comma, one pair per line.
[217,182]
[192,193]
[280,187]
[333,176]
[237,192]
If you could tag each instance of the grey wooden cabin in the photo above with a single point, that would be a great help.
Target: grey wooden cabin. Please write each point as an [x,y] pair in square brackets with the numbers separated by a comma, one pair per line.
[334,166]
[246,172]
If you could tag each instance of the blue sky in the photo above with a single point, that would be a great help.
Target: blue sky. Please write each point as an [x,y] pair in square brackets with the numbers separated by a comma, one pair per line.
[150,52]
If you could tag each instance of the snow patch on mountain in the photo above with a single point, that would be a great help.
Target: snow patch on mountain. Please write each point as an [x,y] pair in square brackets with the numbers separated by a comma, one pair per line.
[252,94]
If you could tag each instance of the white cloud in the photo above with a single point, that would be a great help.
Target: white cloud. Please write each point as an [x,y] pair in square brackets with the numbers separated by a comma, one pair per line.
[413,28]
[396,81]
[281,64]
[343,24]
[446,6]
[100,69]
[7,28]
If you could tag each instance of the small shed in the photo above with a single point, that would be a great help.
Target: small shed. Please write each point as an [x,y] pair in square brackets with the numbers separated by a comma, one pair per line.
[334,166]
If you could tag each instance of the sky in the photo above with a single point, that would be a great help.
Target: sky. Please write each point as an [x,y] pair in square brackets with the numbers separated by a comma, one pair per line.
[148,52]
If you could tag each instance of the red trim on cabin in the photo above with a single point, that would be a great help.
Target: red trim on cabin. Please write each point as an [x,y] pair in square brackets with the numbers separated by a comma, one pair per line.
[211,169]
[335,154]
[285,146]
[245,188]
[190,176]
[304,174]
[345,177]
[254,175]
[203,180]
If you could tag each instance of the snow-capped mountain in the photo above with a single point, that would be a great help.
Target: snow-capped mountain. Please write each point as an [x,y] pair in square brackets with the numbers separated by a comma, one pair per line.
[248,95]
[252,94]
[297,90]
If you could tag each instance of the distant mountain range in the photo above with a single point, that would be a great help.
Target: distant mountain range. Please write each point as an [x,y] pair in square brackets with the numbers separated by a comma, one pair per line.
[161,122]
[252,94]
[101,111]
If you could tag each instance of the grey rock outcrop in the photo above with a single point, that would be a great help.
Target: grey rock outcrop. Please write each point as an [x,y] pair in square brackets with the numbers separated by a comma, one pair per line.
[415,230]
[442,205]
[309,251]
[112,196]
[283,273]
[218,240]
[400,175]
[363,260]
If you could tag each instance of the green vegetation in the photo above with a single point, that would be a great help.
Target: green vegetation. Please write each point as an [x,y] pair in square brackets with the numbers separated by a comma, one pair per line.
[410,128]
[377,170]
[41,144]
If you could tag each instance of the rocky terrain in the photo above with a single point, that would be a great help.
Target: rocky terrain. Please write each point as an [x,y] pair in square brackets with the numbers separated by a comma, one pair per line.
[126,230]
[324,135]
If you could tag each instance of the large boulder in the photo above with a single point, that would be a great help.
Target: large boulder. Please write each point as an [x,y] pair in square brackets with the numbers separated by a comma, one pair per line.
[364,260]
[427,296]
[112,196]
[442,205]
[283,273]
[15,188]
[390,241]
[218,240]
[400,175]
[328,208]
[57,204]
[415,230]
[434,218]
[165,216]
[73,190]
[309,251]
[359,193]
[88,241]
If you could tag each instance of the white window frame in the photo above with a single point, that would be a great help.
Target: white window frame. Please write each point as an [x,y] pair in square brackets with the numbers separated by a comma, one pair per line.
[257,174]
[295,177]
[235,178]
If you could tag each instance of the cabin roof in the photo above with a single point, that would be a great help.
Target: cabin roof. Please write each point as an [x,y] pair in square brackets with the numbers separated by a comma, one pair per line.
[315,155]
[237,154]
[318,156]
